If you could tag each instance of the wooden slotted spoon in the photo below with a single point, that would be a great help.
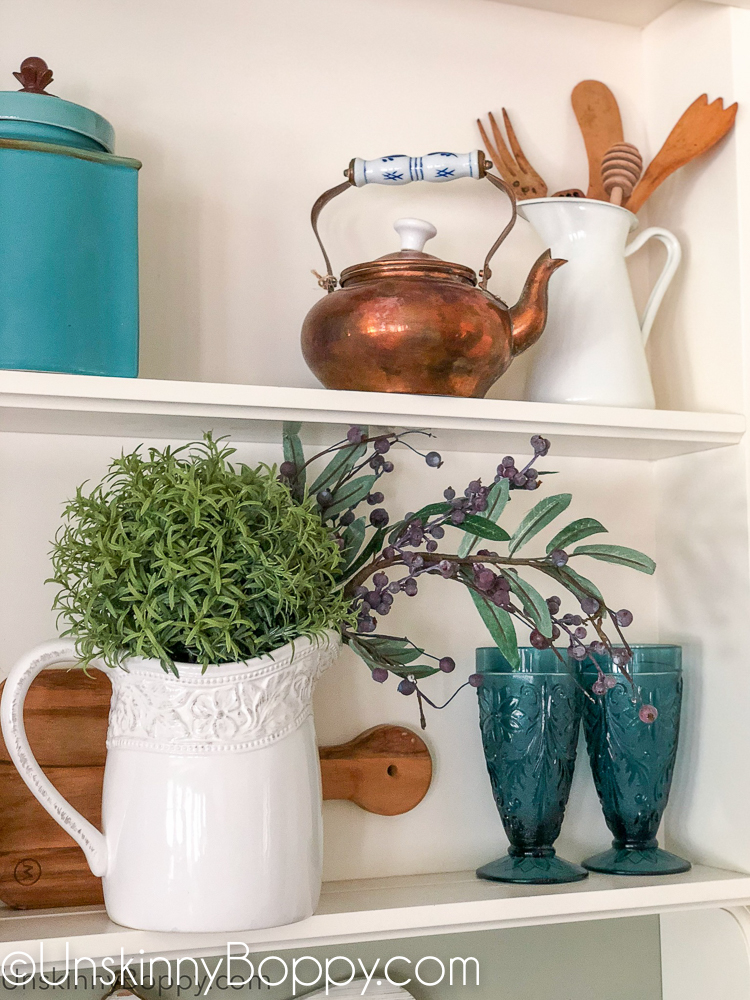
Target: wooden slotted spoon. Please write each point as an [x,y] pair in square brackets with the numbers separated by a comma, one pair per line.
[699,128]
[599,119]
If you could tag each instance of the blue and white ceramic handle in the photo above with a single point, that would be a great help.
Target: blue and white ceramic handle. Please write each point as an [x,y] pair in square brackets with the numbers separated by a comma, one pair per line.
[397,170]
[435,167]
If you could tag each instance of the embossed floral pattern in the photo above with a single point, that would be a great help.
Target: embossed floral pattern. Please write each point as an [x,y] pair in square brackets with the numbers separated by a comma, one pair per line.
[232,709]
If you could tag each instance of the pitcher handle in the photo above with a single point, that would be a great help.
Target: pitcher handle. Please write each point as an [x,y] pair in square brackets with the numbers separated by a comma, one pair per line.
[674,256]
[49,654]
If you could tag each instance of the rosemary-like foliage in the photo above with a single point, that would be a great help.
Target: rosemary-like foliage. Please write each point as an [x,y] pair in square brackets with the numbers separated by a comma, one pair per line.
[182,557]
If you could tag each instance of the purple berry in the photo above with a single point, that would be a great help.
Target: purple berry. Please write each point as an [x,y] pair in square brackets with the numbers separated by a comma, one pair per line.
[538,641]
[431,545]
[589,605]
[347,518]
[387,466]
[407,687]
[379,517]
[375,498]
[380,580]
[433,459]
[379,674]
[620,657]
[449,494]
[382,445]
[540,445]
[580,632]
[558,558]
[648,714]
[624,618]
[447,664]
[578,652]
[458,517]
[355,435]
[410,587]
[288,469]
[325,498]
[476,680]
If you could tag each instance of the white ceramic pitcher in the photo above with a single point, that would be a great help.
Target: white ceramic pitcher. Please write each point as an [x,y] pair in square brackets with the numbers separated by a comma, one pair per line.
[211,810]
[592,348]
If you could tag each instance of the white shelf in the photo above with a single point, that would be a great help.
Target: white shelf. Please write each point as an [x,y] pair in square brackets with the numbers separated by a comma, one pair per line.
[140,408]
[383,909]
[635,12]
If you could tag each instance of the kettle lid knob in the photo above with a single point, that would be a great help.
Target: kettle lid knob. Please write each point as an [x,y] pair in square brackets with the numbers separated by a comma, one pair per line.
[414,233]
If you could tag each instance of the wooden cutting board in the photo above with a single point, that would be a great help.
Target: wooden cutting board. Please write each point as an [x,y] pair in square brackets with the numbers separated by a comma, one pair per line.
[386,770]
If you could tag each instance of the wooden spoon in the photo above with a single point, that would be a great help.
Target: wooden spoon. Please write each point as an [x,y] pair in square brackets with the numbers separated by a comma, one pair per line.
[699,128]
[598,116]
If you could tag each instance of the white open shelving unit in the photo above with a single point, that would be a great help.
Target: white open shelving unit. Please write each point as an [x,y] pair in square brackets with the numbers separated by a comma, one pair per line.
[382,909]
[226,283]
[366,909]
[120,407]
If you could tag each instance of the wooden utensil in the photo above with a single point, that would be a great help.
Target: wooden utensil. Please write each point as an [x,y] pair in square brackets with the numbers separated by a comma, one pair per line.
[514,168]
[621,167]
[699,128]
[599,119]
[386,770]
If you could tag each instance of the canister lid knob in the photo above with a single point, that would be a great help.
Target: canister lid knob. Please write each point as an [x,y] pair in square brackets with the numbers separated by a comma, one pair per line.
[35,75]
[414,233]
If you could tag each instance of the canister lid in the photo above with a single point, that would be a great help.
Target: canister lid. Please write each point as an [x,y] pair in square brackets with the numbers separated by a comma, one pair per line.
[44,109]
[32,104]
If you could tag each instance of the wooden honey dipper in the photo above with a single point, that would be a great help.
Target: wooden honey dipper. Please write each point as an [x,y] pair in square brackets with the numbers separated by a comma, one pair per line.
[622,166]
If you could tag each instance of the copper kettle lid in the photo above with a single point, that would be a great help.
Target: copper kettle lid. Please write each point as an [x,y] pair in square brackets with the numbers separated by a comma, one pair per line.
[410,260]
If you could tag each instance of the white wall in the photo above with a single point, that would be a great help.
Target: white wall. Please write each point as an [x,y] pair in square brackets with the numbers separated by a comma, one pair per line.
[244,112]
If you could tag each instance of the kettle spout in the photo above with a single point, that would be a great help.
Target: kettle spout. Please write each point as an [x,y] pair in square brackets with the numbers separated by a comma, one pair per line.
[529,315]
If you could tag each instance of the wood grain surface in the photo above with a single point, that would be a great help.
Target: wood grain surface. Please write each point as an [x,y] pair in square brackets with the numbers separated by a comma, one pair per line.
[599,119]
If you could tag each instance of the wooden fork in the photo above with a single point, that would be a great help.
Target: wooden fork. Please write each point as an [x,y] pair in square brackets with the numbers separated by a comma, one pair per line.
[699,128]
[514,168]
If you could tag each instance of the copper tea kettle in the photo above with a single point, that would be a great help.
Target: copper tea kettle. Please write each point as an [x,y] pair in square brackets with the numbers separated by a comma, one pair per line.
[410,322]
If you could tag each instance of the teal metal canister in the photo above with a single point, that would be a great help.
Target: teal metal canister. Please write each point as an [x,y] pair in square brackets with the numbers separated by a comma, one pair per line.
[68,238]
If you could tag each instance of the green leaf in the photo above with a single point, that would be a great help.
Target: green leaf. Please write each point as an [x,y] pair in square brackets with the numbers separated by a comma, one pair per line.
[537,518]
[353,535]
[482,528]
[398,650]
[619,554]
[431,510]
[293,453]
[418,671]
[574,532]
[374,545]
[500,626]
[576,584]
[533,603]
[393,654]
[496,501]
[342,462]
[349,495]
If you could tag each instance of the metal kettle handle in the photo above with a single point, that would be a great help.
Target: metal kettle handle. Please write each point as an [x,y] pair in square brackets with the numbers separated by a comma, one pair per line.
[398,170]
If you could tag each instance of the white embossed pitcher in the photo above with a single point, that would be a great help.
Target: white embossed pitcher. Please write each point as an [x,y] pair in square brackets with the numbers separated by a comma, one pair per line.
[593,347]
[211,810]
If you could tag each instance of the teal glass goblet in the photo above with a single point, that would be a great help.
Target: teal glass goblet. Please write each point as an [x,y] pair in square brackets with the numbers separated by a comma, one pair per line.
[530,720]
[632,760]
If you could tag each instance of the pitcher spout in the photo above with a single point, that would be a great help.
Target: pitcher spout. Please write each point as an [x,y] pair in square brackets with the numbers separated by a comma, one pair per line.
[529,315]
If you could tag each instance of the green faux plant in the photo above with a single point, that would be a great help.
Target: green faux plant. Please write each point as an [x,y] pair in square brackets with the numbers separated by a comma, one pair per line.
[180,556]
